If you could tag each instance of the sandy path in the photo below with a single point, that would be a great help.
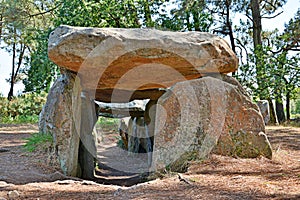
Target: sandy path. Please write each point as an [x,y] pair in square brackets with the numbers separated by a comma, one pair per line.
[217,178]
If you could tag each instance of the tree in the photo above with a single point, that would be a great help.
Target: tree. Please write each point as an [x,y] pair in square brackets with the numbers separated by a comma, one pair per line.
[258,10]
[288,71]
[14,37]
[190,15]
[19,20]
[39,70]
[257,66]
[223,11]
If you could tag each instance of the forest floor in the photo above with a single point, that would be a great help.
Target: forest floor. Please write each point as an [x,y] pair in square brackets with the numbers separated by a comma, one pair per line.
[24,175]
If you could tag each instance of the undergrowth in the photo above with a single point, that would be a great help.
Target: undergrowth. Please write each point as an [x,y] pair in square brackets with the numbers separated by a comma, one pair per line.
[38,141]
[108,123]
[22,109]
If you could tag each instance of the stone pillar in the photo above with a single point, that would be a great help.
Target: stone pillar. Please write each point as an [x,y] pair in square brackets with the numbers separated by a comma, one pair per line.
[264,108]
[197,117]
[149,117]
[56,118]
[69,115]
[88,137]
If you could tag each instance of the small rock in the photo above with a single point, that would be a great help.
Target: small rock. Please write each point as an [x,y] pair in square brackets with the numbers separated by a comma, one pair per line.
[2,150]
[181,178]
[2,198]
[57,176]
[117,192]
[3,183]
[65,182]
[13,194]
[85,182]
[237,177]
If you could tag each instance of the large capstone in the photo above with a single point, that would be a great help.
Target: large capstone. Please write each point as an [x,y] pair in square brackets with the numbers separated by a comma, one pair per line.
[120,65]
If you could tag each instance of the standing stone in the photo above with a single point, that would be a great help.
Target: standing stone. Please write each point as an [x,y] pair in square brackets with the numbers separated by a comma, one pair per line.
[57,118]
[197,117]
[88,136]
[264,108]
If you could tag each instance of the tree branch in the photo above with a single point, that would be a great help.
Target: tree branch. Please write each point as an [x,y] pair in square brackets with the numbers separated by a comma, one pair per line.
[242,46]
[45,12]
[294,49]
[220,31]
[273,16]
[21,56]
[248,16]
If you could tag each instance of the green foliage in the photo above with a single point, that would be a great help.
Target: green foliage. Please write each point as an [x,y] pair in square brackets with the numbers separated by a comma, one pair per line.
[39,69]
[297,109]
[22,109]
[190,15]
[296,105]
[108,123]
[19,22]
[107,13]
[271,72]
[38,141]
[19,119]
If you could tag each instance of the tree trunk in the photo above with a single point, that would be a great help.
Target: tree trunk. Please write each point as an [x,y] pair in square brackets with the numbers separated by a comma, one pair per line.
[12,79]
[196,20]
[20,60]
[1,24]
[229,26]
[280,111]
[256,18]
[188,24]
[273,116]
[288,116]
[257,42]
[147,13]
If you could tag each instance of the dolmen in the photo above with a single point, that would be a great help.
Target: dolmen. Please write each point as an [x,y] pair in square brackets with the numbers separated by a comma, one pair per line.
[194,108]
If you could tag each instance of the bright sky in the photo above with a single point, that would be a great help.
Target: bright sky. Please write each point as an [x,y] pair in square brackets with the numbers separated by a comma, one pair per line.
[289,9]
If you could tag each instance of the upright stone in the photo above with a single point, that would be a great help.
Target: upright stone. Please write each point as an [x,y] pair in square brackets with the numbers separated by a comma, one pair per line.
[264,108]
[197,117]
[57,118]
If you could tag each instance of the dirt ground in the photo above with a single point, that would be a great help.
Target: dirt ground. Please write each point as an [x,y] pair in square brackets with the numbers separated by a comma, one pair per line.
[24,175]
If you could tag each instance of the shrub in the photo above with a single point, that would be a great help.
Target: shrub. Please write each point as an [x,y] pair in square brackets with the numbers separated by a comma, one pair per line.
[22,109]
[108,123]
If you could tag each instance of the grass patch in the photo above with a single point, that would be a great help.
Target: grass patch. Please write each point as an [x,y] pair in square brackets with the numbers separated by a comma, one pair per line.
[292,122]
[38,141]
[32,119]
[108,123]
[295,116]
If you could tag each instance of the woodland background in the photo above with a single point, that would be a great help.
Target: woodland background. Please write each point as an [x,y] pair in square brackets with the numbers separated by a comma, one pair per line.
[269,60]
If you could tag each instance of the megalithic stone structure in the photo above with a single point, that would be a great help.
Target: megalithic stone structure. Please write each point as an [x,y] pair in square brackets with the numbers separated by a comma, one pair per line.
[194,106]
